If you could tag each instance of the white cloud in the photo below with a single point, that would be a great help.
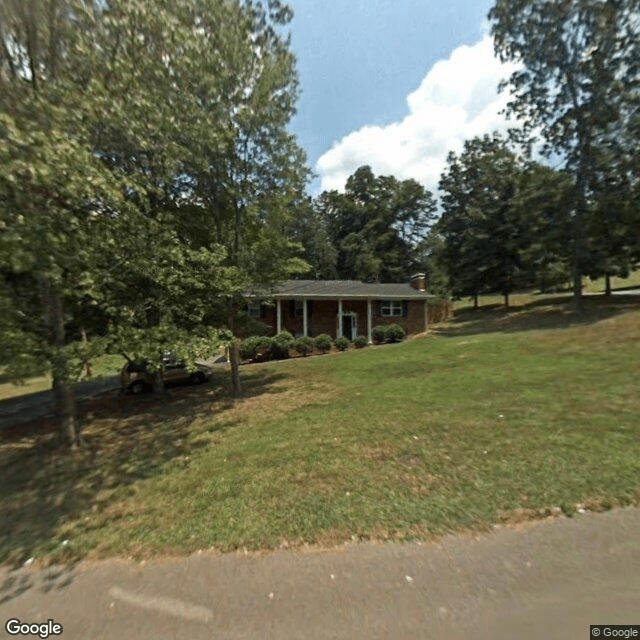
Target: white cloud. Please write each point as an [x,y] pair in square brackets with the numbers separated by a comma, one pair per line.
[457,100]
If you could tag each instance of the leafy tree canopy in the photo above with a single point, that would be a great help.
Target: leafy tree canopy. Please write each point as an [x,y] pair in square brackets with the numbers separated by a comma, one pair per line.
[147,174]
[577,87]
[376,226]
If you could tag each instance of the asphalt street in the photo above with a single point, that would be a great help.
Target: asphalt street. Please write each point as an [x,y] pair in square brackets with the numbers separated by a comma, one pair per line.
[545,580]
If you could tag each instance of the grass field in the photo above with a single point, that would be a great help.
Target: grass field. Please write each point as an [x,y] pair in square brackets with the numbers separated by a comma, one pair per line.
[495,417]
[519,299]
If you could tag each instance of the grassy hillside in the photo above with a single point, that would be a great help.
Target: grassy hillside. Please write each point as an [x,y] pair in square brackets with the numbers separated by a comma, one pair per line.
[591,287]
[495,417]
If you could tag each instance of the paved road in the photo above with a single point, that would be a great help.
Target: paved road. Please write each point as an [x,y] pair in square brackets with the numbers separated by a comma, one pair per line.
[15,411]
[548,580]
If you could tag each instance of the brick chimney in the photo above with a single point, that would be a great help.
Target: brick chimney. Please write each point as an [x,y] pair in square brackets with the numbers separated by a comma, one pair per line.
[419,282]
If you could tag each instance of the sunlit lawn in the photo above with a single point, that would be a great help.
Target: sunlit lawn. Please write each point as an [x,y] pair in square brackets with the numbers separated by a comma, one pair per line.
[493,417]
[519,299]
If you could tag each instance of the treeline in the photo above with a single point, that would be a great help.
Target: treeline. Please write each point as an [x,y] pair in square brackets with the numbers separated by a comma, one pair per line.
[503,223]
[507,221]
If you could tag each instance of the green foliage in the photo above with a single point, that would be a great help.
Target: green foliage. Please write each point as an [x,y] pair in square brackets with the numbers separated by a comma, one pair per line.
[149,344]
[310,228]
[323,342]
[146,173]
[281,343]
[360,342]
[576,86]
[505,222]
[252,346]
[395,333]
[304,345]
[376,226]
[379,333]
[342,343]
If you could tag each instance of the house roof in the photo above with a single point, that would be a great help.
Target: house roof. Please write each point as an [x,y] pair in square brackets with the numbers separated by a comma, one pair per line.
[353,289]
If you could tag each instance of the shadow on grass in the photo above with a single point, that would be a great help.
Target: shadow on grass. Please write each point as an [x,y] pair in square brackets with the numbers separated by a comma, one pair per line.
[546,313]
[49,490]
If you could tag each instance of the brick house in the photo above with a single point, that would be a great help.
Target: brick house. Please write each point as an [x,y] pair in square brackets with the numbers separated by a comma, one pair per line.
[341,307]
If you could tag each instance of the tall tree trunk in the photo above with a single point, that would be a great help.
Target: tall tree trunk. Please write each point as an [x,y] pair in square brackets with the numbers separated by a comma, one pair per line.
[607,284]
[506,299]
[158,384]
[64,401]
[234,359]
[87,363]
[578,240]
[475,300]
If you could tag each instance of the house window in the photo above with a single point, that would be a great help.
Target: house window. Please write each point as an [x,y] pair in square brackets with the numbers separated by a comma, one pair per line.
[390,308]
[299,309]
[254,309]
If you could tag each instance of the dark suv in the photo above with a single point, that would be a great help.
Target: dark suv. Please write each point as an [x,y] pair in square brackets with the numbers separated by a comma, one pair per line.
[135,377]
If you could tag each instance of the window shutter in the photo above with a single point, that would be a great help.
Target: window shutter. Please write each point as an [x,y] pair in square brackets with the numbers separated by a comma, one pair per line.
[309,308]
[379,308]
[405,308]
[263,310]
[292,308]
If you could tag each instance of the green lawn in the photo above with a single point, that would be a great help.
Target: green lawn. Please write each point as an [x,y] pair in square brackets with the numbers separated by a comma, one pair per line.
[519,299]
[494,417]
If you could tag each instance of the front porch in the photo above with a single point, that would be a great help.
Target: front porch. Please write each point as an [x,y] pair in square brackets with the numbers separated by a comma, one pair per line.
[312,317]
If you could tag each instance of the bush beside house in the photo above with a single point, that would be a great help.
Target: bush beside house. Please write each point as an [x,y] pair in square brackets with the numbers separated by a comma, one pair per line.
[323,342]
[280,345]
[388,333]
[360,342]
[303,345]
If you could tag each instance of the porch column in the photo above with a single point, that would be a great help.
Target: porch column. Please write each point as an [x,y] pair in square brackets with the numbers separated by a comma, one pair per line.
[279,316]
[426,316]
[339,318]
[369,321]
[305,318]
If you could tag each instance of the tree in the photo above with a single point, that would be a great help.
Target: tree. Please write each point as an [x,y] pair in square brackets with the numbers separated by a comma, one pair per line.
[376,225]
[310,229]
[544,199]
[504,224]
[613,224]
[481,230]
[576,84]
[128,131]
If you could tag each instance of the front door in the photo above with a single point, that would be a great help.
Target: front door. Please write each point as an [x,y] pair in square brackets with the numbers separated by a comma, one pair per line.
[349,326]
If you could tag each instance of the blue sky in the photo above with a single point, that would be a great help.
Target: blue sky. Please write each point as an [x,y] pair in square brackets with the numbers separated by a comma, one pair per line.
[395,84]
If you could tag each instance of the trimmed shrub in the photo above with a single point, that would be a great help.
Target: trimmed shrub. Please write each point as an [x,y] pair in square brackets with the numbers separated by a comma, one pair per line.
[323,342]
[342,343]
[395,333]
[280,345]
[379,333]
[250,345]
[253,346]
[303,345]
[247,348]
[360,341]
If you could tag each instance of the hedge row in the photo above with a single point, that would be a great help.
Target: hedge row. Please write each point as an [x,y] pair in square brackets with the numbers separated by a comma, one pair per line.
[262,348]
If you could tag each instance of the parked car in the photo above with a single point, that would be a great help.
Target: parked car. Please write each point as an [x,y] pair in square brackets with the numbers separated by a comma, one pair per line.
[135,377]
